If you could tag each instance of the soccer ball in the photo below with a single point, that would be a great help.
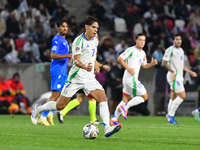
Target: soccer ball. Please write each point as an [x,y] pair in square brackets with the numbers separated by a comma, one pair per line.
[90,131]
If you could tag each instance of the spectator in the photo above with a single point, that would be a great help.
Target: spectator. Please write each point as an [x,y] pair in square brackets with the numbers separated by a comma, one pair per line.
[97,10]
[46,56]
[114,80]
[188,28]
[145,7]
[21,55]
[12,26]
[187,44]
[30,58]
[37,34]
[37,23]
[32,46]
[162,40]
[165,28]
[6,12]
[73,25]
[2,26]
[45,16]
[59,13]
[159,10]
[120,9]
[195,18]
[23,26]
[169,10]
[181,10]
[50,38]
[107,50]
[121,47]
[16,85]
[6,45]
[133,17]
[150,16]
[6,96]
[158,55]
[154,30]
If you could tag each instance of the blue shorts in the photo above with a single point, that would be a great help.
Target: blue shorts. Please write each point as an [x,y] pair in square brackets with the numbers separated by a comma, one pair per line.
[57,82]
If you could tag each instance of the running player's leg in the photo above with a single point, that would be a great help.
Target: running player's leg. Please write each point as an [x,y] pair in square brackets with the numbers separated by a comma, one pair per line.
[92,110]
[73,103]
[43,117]
[177,95]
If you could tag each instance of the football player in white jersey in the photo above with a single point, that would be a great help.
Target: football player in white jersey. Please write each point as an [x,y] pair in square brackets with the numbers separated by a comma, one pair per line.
[173,60]
[134,92]
[81,76]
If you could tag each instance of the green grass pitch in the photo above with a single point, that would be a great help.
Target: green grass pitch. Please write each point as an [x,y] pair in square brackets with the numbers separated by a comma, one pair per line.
[138,133]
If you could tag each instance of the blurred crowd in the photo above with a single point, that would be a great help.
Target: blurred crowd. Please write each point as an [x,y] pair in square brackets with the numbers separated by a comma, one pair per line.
[26,33]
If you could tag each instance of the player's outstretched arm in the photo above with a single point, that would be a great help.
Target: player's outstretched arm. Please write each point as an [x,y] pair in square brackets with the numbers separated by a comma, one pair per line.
[192,73]
[79,64]
[58,56]
[165,64]
[153,63]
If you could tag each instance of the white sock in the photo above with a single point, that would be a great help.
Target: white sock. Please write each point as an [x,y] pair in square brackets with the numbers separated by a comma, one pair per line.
[177,101]
[134,101]
[117,111]
[104,113]
[169,105]
[51,105]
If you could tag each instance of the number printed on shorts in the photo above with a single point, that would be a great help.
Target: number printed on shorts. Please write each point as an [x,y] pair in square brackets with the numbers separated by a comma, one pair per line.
[68,84]
[93,52]
[139,85]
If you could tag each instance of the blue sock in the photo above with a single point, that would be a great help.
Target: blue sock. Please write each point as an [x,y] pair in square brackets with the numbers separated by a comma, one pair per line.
[199,109]
[45,113]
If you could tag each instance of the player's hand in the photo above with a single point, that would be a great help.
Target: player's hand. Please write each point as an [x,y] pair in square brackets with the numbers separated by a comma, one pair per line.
[89,67]
[96,70]
[70,60]
[106,67]
[193,74]
[131,71]
[173,76]
[154,62]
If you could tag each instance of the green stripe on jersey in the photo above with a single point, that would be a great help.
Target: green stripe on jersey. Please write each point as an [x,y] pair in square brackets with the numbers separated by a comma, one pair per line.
[171,53]
[79,40]
[73,75]
[134,87]
[174,82]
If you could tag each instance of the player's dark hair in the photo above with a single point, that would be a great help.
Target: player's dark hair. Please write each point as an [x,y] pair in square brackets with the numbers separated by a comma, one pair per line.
[60,22]
[138,35]
[175,35]
[89,20]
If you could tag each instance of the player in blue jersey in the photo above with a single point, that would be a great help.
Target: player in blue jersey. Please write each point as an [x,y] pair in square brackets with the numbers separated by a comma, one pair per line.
[59,55]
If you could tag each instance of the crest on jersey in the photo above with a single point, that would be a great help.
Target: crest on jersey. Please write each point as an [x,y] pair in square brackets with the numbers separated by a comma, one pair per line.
[54,48]
[77,49]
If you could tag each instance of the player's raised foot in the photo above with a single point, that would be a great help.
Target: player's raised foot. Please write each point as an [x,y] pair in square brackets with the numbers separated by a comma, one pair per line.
[123,111]
[113,129]
[43,122]
[196,115]
[96,122]
[50,119]
[114,121]
[171,120]
[60,117]
[35,114]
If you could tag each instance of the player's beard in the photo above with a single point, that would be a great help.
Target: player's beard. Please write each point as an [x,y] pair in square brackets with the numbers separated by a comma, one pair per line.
[63,34]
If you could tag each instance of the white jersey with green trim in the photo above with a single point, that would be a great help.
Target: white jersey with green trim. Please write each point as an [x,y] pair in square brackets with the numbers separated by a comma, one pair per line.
[87,49]
[134,58]
[175,58]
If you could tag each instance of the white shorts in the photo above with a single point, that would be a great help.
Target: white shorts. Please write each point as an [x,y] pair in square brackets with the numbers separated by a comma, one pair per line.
[135,88]
[87,85]
[176,86]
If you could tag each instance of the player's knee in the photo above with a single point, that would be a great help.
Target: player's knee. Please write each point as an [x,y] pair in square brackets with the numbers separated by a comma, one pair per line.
[103,99]
[80,100]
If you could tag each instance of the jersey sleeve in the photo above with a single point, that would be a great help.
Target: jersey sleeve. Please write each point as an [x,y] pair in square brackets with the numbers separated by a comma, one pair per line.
[77,46]
[55,46]
[167,54]
[144,60]
[126,53]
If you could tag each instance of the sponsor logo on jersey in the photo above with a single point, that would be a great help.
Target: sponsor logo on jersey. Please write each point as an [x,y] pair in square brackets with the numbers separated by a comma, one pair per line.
[87,46]
[77,49]
[54,47]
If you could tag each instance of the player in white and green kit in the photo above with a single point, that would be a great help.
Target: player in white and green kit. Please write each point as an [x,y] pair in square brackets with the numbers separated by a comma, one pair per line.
[173,60]
[134,92]
[81,76]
